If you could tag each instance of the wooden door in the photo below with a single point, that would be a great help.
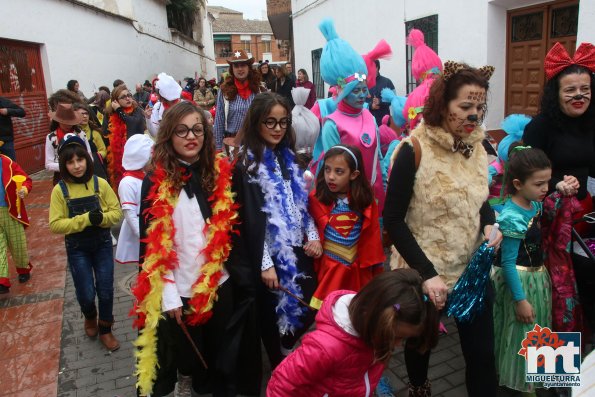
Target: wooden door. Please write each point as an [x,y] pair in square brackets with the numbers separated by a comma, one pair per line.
[563,22]
[531,32]
[22,82]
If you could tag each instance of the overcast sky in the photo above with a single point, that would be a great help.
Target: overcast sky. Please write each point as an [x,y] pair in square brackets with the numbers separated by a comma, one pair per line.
[252,9]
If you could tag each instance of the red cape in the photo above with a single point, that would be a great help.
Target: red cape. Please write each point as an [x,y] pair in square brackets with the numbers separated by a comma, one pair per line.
[370,238]
[10,169]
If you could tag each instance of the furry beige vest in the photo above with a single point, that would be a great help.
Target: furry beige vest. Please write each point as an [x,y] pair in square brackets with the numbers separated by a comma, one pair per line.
[448,192]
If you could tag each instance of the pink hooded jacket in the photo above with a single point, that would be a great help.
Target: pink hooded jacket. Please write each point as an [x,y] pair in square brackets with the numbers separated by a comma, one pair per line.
[331,361]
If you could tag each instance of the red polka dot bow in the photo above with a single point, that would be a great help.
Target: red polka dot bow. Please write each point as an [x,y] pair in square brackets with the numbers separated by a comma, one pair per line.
[557,59]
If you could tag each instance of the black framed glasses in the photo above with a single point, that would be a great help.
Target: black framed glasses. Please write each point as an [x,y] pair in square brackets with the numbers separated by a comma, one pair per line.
[272,122]
[125,96]
[182,130]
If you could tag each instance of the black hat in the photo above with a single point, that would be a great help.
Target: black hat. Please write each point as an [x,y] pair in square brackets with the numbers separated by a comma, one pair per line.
[71,139]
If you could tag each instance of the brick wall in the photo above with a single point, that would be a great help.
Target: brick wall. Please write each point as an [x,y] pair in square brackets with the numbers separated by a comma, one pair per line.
[257,47]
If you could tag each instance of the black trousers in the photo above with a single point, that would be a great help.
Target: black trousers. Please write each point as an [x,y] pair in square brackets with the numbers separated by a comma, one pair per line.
[477,344]
[584,270]
[267,301]
[175,353]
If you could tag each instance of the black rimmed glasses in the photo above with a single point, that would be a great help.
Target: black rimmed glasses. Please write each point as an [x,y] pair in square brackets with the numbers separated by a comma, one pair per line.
[125,96]
[271,122]
[182,130]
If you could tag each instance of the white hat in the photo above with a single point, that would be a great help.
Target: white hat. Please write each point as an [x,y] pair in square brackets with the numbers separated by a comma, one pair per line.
[168,87]
[304,122]
[137,152]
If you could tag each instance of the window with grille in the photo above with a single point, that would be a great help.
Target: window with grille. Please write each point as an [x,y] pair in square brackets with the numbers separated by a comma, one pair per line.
[267,46]
[429,26]
[316,77]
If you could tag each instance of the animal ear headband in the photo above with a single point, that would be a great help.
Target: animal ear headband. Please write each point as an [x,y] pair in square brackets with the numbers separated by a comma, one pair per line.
[557,59]
[451,68]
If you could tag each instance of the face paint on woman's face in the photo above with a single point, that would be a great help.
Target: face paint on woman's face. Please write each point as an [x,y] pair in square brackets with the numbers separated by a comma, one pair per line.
[357,97]
[466,111]
[575,94]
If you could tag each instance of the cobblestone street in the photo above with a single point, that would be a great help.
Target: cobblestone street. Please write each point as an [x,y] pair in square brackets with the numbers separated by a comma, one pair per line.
[46,352]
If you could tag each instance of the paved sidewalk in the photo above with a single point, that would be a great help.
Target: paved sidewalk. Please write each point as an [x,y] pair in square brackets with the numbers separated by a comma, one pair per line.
[46,353]
[31,314]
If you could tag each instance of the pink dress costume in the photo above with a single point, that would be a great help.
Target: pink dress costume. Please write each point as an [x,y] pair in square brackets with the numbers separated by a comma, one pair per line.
[357,127]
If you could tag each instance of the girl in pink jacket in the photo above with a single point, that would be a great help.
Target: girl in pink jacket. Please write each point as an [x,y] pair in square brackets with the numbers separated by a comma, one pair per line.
[355,337]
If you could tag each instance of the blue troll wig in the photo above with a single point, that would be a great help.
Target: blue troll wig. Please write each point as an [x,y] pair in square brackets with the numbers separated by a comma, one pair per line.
[513,125]
[339,61]
[397,103]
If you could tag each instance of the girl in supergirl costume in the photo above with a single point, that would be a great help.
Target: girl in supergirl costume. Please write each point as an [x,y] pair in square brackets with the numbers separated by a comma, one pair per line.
[182,292]
[346,215]
[276,240]
[83,207]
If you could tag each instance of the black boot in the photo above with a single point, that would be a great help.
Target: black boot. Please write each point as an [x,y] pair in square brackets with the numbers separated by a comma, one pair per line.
[424,390]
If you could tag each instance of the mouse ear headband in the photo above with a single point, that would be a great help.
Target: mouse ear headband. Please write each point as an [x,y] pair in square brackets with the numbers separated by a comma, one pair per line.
[451,68]
[557,59]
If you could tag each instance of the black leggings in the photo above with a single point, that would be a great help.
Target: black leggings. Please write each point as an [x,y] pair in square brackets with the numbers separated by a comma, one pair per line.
[477,344]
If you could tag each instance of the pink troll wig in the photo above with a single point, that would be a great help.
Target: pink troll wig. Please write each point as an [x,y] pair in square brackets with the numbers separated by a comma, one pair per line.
[414,106]
[382,50]
[425,62]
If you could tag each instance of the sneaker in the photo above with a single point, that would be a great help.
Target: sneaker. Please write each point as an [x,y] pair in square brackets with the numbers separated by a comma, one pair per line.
[4,289]
[384,388]
[23,278]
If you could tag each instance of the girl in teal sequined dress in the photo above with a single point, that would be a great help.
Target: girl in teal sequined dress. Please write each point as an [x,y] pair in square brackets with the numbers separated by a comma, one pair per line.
[521,282]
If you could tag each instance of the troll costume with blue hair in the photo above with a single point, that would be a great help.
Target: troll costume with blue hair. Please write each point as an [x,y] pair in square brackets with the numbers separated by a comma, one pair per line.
[514,126]
[393,130]
[351,123]
[382,50]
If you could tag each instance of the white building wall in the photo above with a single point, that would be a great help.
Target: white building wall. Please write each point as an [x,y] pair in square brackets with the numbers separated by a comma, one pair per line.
[473,31]
[209,43]
[94,48]
[586,19]
[358,23]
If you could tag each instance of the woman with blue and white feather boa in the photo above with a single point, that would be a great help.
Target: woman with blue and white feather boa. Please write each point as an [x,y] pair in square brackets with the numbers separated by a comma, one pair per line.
[275,243]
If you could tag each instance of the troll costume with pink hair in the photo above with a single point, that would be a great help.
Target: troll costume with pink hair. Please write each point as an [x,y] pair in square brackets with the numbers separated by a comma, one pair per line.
[425,67]
[382,50]
[351,123]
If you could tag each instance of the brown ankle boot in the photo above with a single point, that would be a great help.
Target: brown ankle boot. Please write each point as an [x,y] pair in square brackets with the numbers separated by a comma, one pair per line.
[108,340]
[424,390]
[91,327]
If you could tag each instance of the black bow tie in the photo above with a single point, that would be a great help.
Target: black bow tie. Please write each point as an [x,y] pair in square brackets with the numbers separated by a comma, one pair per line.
[193,187]
[460,146]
